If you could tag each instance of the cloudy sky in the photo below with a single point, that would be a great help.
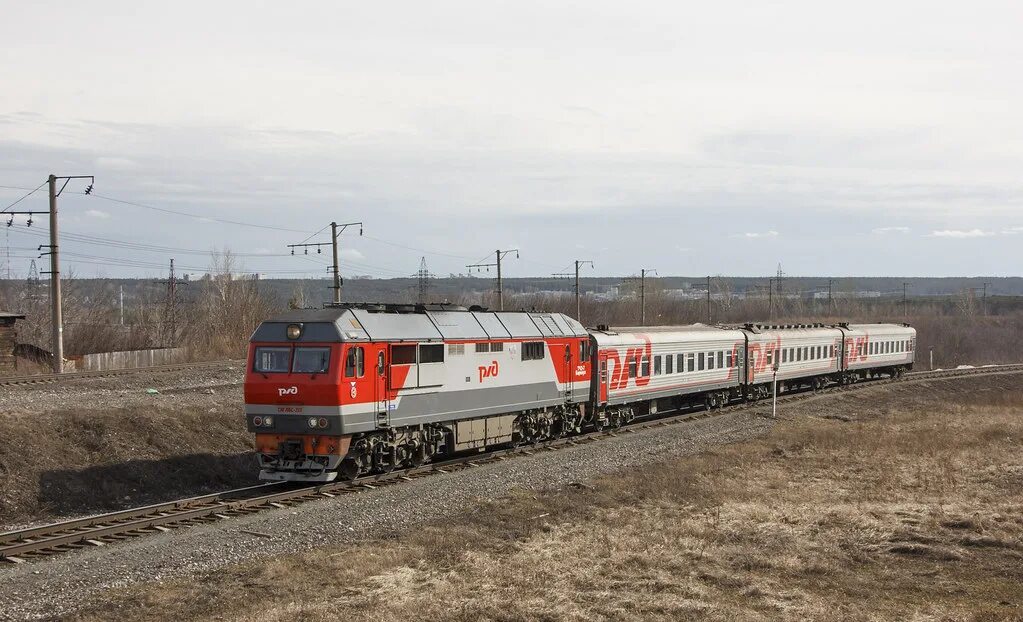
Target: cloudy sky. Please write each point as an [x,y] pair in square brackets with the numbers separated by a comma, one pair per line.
[873,138]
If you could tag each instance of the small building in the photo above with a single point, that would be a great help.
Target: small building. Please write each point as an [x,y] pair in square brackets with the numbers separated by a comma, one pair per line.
[8,339]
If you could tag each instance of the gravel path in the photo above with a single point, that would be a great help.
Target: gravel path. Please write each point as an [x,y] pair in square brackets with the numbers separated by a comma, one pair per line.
[69,579]
[187,387]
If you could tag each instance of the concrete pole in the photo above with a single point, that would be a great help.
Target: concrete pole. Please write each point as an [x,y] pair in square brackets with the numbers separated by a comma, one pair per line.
[56,312]
[642,297]
[500,285]
[708,301]
[578,305]
[337,270]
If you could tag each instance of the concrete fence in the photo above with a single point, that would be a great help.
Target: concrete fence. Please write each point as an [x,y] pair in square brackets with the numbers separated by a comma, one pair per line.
[129,359]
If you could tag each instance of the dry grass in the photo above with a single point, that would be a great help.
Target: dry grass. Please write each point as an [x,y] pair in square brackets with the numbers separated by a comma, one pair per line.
[913,515]
[89,460]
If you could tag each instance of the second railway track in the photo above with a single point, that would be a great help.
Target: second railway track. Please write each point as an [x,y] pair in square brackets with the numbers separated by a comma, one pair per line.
[81,375]
[41,541]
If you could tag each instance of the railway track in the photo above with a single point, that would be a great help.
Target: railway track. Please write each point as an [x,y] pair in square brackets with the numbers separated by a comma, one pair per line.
[37,542]
[55,378]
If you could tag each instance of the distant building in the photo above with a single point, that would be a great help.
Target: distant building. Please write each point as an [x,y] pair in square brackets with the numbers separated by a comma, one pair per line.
[8,339]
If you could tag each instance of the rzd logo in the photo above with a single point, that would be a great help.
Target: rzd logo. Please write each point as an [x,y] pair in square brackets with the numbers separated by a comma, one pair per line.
[488,371]
[282,391]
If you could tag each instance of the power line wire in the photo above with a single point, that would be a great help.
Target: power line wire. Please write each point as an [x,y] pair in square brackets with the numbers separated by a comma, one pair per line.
[30,193]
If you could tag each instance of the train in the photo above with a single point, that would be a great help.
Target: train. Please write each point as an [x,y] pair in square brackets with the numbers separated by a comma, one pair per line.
[356,389]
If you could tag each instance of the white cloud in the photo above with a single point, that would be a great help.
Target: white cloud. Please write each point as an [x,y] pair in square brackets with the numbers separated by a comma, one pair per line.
[1012,230]
[763,234]
[96,213]
[116,164]
[350,254]
[884,230]
[957,233]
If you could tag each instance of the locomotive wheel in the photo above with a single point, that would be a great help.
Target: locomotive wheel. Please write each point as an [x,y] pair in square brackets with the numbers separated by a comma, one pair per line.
[349,469]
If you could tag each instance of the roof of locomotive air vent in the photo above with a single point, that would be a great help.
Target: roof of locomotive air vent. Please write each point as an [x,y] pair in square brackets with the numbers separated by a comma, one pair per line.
[392,322]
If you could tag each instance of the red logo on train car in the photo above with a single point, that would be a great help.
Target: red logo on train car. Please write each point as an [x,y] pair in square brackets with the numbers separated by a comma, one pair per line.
[636,356]
[488,371]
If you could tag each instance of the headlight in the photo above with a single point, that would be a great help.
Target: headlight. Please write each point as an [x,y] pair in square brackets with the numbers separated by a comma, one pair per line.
[294,331]
[322,422]
[257,421]
[268,421]
[312,422]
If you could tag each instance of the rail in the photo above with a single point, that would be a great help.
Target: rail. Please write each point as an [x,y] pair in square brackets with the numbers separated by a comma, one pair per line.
[76,375]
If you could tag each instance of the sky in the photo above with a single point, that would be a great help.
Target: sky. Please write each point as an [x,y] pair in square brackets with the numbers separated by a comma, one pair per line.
[872,138]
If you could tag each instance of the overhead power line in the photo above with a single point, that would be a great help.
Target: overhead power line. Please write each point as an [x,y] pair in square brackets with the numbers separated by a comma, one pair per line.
[23,197]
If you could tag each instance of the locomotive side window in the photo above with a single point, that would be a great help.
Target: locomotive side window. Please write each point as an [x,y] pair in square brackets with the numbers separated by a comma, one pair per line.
[355,362]
[692,362]
[497,347]
[433,353]
[584,350]
[311,361]
[657,365]
[645,370]
[402,355]
[700,365]
[721,358]
[533,350]
[669,362]
[271,360]
[632,368]
[728,360]
[483,346]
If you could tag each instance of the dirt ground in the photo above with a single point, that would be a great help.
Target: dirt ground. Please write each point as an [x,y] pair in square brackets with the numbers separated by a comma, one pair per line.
[885,504]
[99,444]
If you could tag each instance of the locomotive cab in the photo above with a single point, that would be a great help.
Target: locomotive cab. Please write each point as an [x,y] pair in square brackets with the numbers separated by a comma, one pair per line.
[293,398]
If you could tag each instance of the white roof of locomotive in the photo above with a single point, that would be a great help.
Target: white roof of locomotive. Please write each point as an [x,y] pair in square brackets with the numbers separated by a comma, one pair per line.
[358,324]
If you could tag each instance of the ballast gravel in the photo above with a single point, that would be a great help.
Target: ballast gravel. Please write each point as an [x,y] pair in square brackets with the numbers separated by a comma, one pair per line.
[220,383]
[58,585]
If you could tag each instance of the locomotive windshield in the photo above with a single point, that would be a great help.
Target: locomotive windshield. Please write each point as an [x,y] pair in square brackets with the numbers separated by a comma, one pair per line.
[311,360]
[272,360]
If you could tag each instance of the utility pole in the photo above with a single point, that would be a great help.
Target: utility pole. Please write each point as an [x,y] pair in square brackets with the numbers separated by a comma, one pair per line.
[500,254]
[642,294]
[709,319]
[121,304]
[172,294]
[578,304]
[335,231]
[56,311]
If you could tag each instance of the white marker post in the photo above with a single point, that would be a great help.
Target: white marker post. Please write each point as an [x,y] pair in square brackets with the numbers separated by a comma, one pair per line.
[774,391]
